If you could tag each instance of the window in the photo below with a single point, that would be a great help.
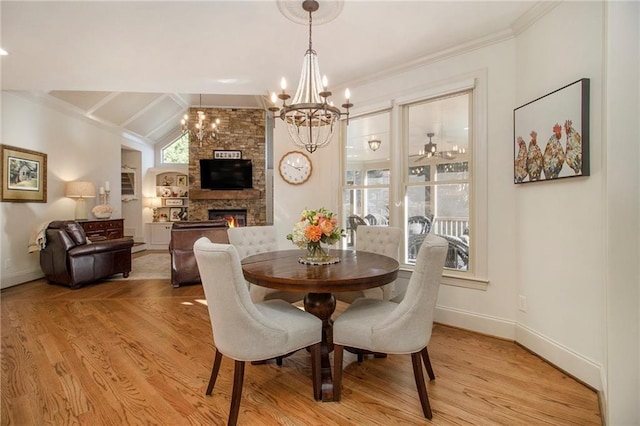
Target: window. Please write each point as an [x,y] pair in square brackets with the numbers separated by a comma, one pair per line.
[367,173]
[437,177]
[177,152]
[432,179]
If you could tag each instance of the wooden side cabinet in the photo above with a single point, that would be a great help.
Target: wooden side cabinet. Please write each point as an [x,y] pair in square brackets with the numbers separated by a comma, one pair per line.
[159,235]
[107,229]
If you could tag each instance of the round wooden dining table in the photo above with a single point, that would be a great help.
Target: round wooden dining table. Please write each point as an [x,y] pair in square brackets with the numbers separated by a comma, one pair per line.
[357,270]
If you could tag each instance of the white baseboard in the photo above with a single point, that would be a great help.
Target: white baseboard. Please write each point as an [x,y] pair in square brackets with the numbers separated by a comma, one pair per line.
[20,277]
[564,358]
[472,321]
[560,356]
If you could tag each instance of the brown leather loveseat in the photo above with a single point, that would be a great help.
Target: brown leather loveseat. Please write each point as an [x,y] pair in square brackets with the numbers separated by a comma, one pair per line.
[69,258]
[184,269]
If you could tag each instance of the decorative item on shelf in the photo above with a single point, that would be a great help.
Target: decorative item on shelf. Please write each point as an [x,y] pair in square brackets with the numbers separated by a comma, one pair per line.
[166,192]
[203,127]
[80,190]
[102,211]
[315,228]
[162,217]
[374,144]
[155,203]
[310,120]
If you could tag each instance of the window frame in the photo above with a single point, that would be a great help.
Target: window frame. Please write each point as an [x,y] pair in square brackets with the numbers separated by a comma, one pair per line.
[477,275]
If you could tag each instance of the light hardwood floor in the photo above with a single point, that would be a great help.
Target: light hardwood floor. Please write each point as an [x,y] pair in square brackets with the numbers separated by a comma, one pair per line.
[140,352]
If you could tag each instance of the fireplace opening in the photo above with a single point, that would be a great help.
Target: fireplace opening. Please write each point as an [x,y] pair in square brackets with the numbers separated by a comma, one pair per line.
[234,218]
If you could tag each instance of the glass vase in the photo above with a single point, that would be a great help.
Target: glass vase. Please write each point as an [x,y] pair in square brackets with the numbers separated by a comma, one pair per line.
[316,253]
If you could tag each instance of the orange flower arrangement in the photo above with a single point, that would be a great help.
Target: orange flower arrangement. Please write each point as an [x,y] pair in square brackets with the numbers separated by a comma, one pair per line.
[315,227]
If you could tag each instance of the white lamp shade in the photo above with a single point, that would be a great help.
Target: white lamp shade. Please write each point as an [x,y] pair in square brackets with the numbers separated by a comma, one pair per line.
[80,189]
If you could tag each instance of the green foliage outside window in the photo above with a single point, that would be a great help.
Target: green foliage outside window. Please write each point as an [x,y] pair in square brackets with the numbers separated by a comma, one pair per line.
[177,152]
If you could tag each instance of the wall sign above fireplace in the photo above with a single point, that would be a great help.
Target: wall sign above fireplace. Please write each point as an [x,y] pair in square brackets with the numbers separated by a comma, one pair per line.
[226,154]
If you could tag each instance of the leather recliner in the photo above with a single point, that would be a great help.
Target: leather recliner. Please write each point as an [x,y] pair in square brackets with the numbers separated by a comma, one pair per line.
[68,258]
[184,269]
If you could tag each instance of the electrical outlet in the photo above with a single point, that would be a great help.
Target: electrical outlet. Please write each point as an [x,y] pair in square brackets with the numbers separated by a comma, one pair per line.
[522,303]
[7,263]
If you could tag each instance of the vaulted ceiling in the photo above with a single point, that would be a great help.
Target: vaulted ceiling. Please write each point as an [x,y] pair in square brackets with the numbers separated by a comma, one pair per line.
[137,66]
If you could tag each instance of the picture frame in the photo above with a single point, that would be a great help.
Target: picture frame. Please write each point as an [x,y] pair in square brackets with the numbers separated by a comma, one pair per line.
[24,175]
[175,214]
[181,180]
[551,135]
[227,154]
[170,202]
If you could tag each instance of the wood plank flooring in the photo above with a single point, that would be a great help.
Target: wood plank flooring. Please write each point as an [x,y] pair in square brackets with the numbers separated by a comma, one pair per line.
[140,352]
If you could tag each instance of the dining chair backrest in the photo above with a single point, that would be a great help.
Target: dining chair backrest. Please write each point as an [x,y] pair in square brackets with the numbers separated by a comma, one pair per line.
[408,326]
[250,240]
[383,240]
[238,324]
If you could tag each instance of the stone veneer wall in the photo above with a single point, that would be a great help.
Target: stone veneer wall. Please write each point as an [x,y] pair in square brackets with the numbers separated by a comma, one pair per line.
[239,129]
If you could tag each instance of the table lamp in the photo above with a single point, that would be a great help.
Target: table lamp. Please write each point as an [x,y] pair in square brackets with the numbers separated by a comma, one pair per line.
[80,190]
[155,202]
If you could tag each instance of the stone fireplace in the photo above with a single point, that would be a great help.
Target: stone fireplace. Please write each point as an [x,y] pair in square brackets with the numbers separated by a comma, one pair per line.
[235,217]
[239,130]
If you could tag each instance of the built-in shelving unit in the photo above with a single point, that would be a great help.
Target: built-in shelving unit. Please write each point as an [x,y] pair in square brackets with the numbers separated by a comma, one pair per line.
[172,189]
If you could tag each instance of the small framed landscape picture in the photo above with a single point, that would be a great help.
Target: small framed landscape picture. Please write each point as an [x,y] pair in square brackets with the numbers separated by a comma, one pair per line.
[181,180]
[24,175]
[227,154]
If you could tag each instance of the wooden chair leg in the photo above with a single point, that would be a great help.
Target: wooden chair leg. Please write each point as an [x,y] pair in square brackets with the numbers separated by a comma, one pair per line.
[279,361]
[238,378]
[315,371]
[422,388]
[214,372]
[337,371]
[427,363]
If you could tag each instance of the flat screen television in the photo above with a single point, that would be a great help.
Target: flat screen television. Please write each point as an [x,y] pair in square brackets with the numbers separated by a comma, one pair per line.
[226,174]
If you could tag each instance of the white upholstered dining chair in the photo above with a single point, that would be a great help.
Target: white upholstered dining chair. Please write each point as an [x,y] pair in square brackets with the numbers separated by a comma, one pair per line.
[250,240]
[396,328]
[383,240]
[244,331]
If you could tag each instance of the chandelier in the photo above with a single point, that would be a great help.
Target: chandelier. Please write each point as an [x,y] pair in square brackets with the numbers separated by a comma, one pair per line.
[202,127]
[310,120]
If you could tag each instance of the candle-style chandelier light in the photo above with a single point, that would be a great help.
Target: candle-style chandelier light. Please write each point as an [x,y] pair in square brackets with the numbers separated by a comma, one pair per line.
[202,126]
[310,120]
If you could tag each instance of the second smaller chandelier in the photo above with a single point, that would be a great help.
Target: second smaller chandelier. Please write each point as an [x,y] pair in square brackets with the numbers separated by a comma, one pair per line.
[203,126]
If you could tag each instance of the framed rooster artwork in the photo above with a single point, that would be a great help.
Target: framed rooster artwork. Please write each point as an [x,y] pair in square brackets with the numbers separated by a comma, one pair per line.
[551,135]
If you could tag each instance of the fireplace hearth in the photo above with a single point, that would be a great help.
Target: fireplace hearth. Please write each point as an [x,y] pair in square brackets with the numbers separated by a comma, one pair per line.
[235,217]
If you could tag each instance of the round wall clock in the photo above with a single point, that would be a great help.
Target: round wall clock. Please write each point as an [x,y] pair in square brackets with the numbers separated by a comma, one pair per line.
[295,167]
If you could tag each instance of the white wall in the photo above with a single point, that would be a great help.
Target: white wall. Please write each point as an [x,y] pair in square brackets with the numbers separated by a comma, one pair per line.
[559,225]
[76,150]
[321,190]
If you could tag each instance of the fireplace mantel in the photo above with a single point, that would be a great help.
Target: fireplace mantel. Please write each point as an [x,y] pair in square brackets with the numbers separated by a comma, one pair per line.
[241,194]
